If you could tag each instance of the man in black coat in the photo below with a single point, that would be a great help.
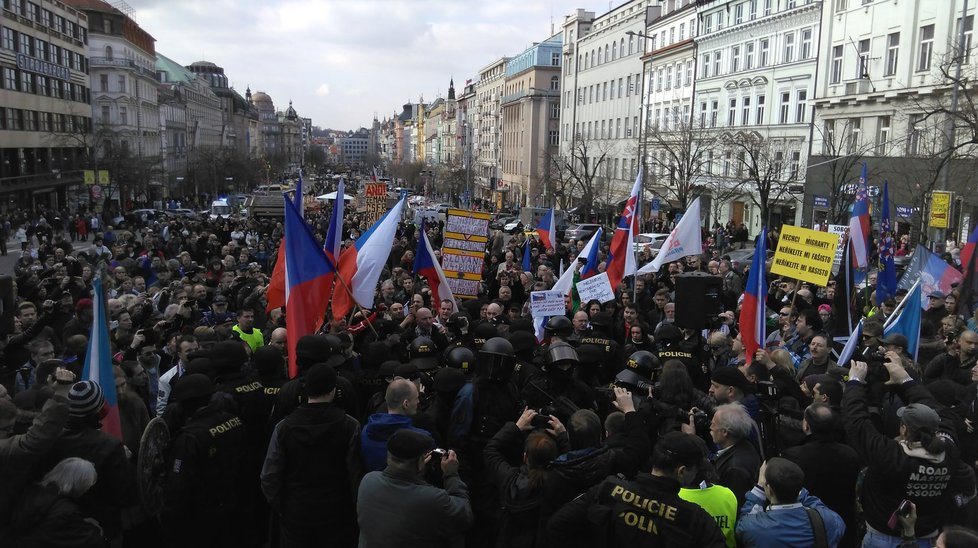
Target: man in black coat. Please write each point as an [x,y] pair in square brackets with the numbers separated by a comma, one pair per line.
[830,467]
[313,468]
[737,461]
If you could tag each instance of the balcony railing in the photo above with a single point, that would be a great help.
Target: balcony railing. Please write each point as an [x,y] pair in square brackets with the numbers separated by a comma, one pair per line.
[121,63]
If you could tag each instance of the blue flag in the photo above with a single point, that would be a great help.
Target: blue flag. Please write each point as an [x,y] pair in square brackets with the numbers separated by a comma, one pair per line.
[906,320]
[886,284]
[526,255]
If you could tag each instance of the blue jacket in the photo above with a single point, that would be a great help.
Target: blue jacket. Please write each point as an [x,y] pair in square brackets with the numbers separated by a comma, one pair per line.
[373,439]
[786,524]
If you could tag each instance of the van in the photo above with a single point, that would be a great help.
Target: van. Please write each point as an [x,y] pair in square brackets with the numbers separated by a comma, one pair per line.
[220,210]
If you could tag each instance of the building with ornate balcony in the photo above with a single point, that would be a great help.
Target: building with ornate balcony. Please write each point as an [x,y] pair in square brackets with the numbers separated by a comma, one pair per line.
[122,72]
[488,151]
[45,116]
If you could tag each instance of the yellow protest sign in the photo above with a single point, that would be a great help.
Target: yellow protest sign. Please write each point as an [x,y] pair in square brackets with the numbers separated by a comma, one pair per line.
[940,209]
[805,254]
[103,177]
[89,176]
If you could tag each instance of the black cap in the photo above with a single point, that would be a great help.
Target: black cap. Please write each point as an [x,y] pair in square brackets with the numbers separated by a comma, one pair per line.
[267,359]
[320,380]
[522,341]
[681,447]
[731,376]
[388,369]
[409,444]
[895,339]
[228,356]
[449,380]
[407,371]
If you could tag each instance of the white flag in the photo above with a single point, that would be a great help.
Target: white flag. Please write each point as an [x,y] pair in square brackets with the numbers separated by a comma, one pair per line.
[685,240]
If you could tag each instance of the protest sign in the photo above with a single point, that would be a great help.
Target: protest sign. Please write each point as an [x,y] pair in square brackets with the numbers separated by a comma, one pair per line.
[463,250]
[940,209]
[376,201]
[596,287]
[843,232]
[805,254]
[547,303]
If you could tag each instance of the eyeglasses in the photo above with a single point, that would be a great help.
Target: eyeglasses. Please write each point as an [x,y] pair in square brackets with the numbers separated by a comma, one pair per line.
[784,313]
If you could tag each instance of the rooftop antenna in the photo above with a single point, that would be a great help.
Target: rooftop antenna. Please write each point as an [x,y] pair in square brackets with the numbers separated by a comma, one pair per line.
[125,8]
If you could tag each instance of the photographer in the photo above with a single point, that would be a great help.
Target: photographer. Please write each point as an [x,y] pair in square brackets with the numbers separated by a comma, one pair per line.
[957,362]
[919,466]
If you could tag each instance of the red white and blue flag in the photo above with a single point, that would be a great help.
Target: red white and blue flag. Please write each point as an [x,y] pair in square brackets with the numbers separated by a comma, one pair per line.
[545,228]
[753,317]
[334,233]
[275,293]
[968,251]
[685,239]
[859,225]
[621,258]
[361,265]
[427,266]
[306,292]
[98,363]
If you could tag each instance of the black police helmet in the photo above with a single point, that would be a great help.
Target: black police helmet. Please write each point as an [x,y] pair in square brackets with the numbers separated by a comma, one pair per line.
[561,355]
[560,326]
[462,358]
[640,368]
[423,353]
[496,359]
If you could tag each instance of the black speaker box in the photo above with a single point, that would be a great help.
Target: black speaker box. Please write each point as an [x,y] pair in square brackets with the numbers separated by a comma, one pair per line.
[697,299]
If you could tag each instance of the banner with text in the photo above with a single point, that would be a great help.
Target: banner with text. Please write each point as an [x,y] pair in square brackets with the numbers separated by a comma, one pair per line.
[544,304]
[463,250]
[376,201]
[596,287]
[940,209]
[805,254]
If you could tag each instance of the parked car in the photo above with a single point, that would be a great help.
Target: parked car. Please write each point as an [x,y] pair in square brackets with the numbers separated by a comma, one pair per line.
[649,241]
[513,226]
[498,222]
[581,231]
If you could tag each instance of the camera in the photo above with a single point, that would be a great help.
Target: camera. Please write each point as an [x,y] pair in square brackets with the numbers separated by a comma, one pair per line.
[540,421]
[766,390]
[438,453]
[700,419]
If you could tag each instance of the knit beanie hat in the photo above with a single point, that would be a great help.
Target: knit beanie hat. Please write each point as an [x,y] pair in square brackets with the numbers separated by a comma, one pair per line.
[85,398]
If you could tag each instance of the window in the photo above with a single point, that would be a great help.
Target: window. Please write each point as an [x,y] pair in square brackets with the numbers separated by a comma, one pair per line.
[727,161]
[739,14]
[841,5]
[668,85]
[658,80]
[679,75]
[108,52]
[765,48]
[969,27]
[614,50]
[794,165]
[749,55]
[789,47]
[603,134]
[708,24]
[103,80]
[835,76]
[600,56]
[767,7]
[555,111]
[714,113]
[806,44]
[554,83]
[785,106]
[882,134]
[27,82]
[587,60]
[732,113]
[716,63]
[122,84]
[554,138]
[604,92]
[628,90]
[682,31]
[620,95]
[926,47]
[828,137]
[9,78]
[709,162]
[915,123]
[892,53]
[555,58]
[735,58]
[105,114]
[9,39]
[759,120]
[745,111]
[703,114]
[14,119]
[628,130]
[631,44]
[45,121]
[672,35]
[123,116]
[802,106]
[618,128]
[689,73]
[706,66]
[658,120]
[26,44]
[855,131]
[862,67]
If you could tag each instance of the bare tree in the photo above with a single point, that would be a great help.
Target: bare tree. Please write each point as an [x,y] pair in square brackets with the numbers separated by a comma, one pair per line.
[582,169]
[769,167]
[679,158]
[841,161]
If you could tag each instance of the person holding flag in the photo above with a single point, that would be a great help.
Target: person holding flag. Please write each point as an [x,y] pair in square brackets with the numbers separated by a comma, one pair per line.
[753,316]
[621,257]
[427,266]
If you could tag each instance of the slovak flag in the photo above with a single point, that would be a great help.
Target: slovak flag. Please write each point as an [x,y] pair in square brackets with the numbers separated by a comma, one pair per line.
[334,234]
[621,259]
[859,223]
[753,316]
[426,265]
[361,265]
[98,363]
[545,228]
[306,293]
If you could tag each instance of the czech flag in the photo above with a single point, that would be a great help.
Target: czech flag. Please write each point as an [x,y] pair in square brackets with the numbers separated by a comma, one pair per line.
[621,260]
[361,265]
[426,265]
[306,294]
[859,224]
[275,293]
[753,316]
[969,265]
[545,228]
[98,363]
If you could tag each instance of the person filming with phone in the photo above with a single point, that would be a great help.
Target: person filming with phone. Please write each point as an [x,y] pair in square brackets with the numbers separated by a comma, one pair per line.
[921,465]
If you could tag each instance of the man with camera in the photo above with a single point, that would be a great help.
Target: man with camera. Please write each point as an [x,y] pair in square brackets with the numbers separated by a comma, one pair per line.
[955,364]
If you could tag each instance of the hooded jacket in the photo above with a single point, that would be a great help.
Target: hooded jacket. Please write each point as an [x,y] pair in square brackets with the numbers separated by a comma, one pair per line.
[899,470]
[373,441]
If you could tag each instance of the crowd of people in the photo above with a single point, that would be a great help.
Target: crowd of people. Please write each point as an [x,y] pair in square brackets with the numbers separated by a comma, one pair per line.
[424,422]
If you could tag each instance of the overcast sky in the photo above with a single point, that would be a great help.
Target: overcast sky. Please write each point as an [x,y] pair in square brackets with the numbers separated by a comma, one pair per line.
[342,61]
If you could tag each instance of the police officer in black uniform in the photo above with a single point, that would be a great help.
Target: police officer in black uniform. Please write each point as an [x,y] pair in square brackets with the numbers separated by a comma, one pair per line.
[559,393]
[606,350]
[203,467]
[672,345]
[645,512]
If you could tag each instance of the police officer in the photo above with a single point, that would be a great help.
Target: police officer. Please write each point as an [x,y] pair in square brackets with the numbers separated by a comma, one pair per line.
[199,496]
[605,349]
[560,393]
[524,345]
[671,344]
[645,512]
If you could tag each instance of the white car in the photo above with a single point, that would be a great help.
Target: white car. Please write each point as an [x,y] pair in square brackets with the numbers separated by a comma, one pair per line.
[649,241]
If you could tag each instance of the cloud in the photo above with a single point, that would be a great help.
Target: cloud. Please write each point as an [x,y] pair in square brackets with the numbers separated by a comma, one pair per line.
[376,54]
